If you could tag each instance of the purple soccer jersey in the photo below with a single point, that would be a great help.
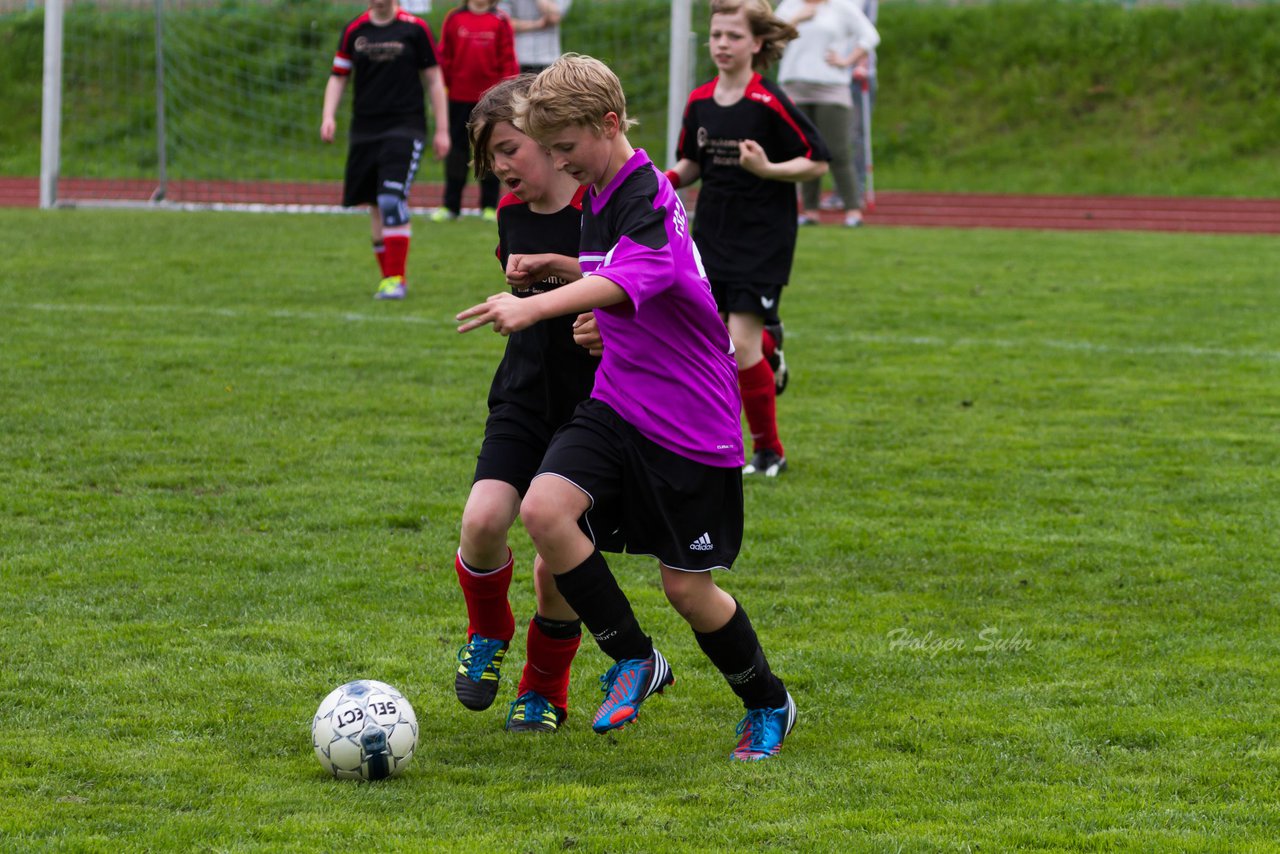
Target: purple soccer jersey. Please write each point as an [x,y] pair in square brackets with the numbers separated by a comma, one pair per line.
[668,365]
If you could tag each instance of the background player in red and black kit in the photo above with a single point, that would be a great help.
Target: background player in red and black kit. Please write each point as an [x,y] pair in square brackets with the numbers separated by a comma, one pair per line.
[392,56]
[542,378]
[477,50]
[749,144]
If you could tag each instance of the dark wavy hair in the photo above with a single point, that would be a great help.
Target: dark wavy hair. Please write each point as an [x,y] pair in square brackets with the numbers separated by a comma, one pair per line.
[496,105]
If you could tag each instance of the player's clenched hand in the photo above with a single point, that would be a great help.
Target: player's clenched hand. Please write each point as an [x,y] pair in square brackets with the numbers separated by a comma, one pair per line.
[523,271]
[518,272]
[587,334]
[328,129]
[752,158]
[506,312]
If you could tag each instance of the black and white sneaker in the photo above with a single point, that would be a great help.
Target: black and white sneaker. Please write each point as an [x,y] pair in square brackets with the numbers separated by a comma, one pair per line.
[766,462]
[777,361]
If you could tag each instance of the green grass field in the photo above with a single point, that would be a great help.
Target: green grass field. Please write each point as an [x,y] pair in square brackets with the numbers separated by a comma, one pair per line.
[1021,577]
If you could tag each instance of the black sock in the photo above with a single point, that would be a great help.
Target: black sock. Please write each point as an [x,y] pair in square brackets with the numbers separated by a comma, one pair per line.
[558,629]
[736,652]
[592,592]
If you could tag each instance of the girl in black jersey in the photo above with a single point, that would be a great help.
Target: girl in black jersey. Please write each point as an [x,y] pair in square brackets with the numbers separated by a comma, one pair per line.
[541,379]
[750,145]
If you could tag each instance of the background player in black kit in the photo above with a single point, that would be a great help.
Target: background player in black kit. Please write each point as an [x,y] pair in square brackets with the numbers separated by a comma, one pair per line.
[749,144]
[393,57]
[543,376]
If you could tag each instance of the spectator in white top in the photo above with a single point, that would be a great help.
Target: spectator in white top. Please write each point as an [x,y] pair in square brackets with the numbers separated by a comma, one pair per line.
[835,36]
[863,72]
[537,26]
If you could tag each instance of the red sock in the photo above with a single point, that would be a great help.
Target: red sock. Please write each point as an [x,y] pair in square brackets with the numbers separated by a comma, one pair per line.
[759,401]
[768,345]
[546,668]
[397,254]
[488,611]
[380,252]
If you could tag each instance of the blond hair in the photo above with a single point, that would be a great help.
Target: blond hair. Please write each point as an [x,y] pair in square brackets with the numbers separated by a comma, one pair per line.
[575,90]
[766,26]
[497,105]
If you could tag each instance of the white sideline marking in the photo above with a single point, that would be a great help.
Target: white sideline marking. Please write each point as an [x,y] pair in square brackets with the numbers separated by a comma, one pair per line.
[1051,344]
[1092,347]
[280,313]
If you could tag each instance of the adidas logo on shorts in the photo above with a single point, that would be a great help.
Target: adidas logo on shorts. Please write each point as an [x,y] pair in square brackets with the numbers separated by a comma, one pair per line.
[702,544]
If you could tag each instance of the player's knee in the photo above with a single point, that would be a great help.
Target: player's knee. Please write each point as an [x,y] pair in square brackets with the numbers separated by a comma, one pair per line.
[484,524]
[393,209]
[540,515]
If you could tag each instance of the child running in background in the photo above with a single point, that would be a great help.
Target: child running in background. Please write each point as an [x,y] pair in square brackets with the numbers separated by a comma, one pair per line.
[477,50]
[750,145]
[656,453]
[542,377]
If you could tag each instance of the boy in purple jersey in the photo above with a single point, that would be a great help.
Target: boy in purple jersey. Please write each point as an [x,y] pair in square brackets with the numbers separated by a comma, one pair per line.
[749,144]
[543,376]
[654,456]
[393,58]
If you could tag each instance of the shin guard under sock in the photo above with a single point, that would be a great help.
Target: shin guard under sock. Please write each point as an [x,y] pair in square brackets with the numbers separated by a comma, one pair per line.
[736,652]
[488,611]
[549,649]
[592,592]
[760,403]
[397,252]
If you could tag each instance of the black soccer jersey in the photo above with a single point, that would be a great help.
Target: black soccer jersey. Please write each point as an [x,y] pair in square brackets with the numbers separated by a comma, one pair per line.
[388,62]
[745,226]
[543,371]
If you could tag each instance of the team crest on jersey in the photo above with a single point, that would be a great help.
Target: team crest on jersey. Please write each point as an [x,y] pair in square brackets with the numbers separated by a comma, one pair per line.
[702,137]
[378,51]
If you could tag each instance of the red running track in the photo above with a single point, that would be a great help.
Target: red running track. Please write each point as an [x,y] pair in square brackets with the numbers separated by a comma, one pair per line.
[893,208]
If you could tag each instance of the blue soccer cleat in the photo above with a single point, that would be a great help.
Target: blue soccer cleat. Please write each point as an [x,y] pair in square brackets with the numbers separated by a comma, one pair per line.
[479,664]
[763,730]
[532,712]
[628,684]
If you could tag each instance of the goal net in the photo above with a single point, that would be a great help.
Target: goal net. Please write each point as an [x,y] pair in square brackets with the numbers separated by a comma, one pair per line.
[207,103]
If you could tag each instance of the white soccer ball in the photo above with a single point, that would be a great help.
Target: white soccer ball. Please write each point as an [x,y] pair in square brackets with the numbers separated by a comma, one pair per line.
[364,730]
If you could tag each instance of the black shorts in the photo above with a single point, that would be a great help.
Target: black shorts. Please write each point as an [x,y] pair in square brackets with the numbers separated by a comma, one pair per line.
[748,298]
[542,378]
[515,440]
[384,165]
[646,499]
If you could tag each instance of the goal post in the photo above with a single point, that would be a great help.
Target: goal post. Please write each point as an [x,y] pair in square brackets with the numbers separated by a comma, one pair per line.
[679,71]
[51,103]
[213,103]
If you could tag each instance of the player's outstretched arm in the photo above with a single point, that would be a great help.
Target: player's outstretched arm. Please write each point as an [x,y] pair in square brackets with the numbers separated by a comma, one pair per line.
[509,313]
[752,158]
